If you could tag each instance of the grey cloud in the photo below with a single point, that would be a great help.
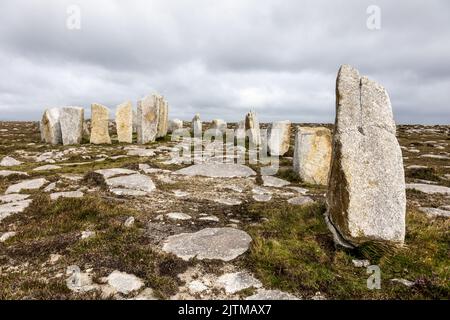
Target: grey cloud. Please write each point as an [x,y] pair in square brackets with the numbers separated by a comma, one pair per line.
[222,58]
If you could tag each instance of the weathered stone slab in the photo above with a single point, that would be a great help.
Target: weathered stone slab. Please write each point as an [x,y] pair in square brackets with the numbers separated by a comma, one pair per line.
[435,212]
[300,201]
[211,243]
[147,119]
[13,197]
[71,120]
[252,128]
[219,170]
[312,154]
[7,173]
[51,127]
[66,194]
[366,191]
[113,172]
[427,188]
[197,125]
[175,124]
[123,282]
[26,185]
[9,162]
[237,281]
[10,208]
[264,294]
[124,122]
[47,167]
[138,182]
[163,119]
[269,181]
[100,124]
[279,137]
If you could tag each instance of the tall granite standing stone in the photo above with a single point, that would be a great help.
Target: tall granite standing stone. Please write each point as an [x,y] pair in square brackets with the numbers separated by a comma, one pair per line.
[134,121]
[100,124]
[312,154]
[147,119]
[51,127]
[366,189]
[163,125]
[124,122]
[197,125]
[252,128]
[279,137]
[71,120]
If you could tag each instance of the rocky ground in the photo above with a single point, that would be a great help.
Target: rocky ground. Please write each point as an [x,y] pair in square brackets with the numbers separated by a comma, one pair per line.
[127,222]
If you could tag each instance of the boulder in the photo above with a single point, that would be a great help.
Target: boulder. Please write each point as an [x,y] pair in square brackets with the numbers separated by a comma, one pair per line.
[175,124]
[366,190]
[51,127]
[219,124]
[100,124]
[124,122]
[278,137]
[71,120]
[163,119]
[312,154]
[252,128]
[147,119]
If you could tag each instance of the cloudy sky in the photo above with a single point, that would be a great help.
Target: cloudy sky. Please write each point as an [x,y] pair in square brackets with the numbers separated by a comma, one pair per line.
[221,58]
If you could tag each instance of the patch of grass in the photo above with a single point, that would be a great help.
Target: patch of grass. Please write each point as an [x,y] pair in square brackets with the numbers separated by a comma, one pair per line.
[130,251]
[423,174]
[294,251]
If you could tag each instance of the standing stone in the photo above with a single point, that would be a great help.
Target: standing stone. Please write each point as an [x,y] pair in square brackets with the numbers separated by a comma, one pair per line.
[147,119]
[124,122]
[71,120]
[279,136]
[240,130]
[366,190]
[134,121]
[252,128]
[100,124]
[219,124]
[197,125]
[50,126]
[175,124]
[312,154]
[163,118]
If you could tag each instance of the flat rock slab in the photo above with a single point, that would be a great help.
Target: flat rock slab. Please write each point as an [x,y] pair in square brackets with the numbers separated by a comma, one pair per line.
[138,182]
[123,282]
[13,207]
[9,162]
[109,173]
[66,194]
[211,243]
[300,201]
[264,294]
[435,212]
[128,192]
[427,188]
[262,197]
[7,173]
[178,216]
[141,152]
[270,181]
[216,170]
[26,185]
[47,167]
[13,197]
[237,281]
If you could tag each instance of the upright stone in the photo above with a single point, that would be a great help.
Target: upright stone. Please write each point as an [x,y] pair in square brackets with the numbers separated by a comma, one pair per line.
[163,118]
[197,125]
[134,121]
[279,137]
[312,154]
[71,120]
[240,130]
[175,124]
[147,119]
[51,127]
[100,124]
[124,122]
[366,190]
[252,128]
[219,124]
